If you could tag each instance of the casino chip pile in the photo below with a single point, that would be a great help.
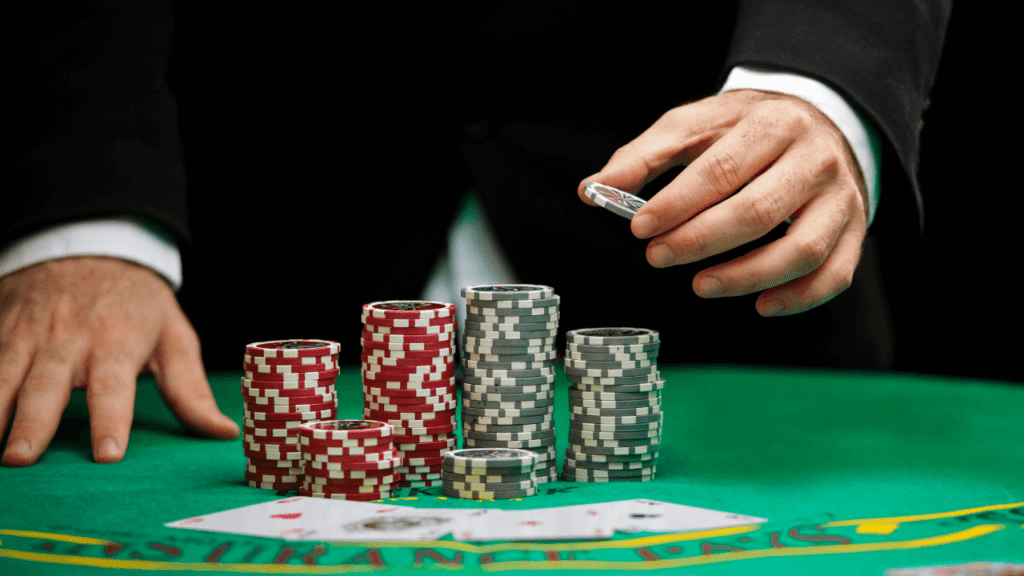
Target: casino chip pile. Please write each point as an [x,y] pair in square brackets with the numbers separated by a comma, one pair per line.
[508,371]
[408,372]
[489,474]
[348,460]
[287,383]
[615,405]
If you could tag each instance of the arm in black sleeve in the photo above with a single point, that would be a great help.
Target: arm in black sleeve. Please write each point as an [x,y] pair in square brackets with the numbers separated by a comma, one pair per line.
[96,132]
[881,55]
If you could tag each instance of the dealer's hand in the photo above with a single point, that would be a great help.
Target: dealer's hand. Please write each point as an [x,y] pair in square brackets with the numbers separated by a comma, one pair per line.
[800,165]
[95,323]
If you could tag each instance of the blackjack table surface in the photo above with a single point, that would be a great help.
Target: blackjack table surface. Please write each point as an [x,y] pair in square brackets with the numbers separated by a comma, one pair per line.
[856,472]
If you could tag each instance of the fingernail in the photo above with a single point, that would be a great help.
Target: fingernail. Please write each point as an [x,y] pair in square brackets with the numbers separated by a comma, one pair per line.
[645,225]
[661,255]
[773,308]
[108,449]
[710,286]
[18,446]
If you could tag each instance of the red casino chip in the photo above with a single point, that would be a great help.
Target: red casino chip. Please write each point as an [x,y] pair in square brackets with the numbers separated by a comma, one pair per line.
[268,424]
[289,408]
[427,420]
[290,416]
[416,483]
[274,470]
[290,400]
[400,402]
[270,439]
[336,446]
[408,393]
[384,361]
[282,456]
[339,471]
[400,354]
[398,385]
[288,369]
[293,348]
[350,483]
[263,360]
[276,463]
[333,489]
[353,497]
[342,443]
[364,452]
[255,477]
[420,454]
[435,469]
[274,485]
[431,368]
[346,429]
[306,377]
[417,447]
[446,338]
[332,455]
[407,408]
[447,328]
[406,322]
[248,392]
[424,430]
[408,461]
[405,347]
[352,465]
[417,438]
[409,309]
[282,385]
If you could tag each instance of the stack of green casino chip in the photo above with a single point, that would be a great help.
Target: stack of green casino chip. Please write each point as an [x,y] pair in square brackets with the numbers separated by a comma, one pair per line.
[489,474]
[508,369]
[615,415]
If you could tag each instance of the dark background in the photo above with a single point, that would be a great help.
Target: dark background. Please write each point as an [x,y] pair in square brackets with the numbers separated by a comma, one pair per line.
[339,164]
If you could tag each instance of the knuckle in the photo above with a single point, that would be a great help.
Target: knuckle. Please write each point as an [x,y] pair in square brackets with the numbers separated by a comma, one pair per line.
[813,250]
[760,213]
[724,170]
[843,278]
[699,241]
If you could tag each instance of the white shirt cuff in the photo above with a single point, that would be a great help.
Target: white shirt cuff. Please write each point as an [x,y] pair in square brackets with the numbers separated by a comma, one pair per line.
[125,237]
[861,135]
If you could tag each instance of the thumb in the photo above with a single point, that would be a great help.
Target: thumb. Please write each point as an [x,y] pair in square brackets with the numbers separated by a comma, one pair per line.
[177,365]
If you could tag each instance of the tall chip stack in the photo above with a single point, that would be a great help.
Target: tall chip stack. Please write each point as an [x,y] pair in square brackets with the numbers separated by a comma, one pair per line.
[408,373]
[348,460]
[508,371]
[615,416]
[286,383]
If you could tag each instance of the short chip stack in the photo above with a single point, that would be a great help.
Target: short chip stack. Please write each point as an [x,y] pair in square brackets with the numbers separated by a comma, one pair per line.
[348,459]
[408,368]
[287,383]
[615,405]
[508,370]
[489,474]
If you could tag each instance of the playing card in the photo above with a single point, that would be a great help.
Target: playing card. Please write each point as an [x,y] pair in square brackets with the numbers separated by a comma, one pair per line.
[559,523]
[642,515]
[275,519]
[383,522]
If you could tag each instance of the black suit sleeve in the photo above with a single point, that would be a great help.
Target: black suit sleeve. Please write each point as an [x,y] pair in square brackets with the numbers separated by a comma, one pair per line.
[96,132]
[881,55]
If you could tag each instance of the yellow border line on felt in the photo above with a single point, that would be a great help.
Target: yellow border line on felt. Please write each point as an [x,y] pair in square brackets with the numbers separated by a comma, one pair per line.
[919,517]
[963,535]
[58,537]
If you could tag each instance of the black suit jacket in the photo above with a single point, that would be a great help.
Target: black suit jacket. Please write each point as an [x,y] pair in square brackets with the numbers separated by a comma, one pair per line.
[340,140]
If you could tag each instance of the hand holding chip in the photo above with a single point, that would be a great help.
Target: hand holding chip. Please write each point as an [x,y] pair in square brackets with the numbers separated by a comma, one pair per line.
[796,163]
[95,323]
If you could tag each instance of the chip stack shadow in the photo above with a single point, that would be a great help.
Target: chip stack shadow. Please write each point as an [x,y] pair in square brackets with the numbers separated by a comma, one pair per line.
[408,373]
[615,416]
[508,371]
[286,383]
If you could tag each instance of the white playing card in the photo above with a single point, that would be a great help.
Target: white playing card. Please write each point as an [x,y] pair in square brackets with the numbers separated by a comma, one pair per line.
[559,523]
[653,516]
[275,519]
[385,522]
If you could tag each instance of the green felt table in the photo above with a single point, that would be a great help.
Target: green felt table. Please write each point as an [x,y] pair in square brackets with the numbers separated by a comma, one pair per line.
[856,473]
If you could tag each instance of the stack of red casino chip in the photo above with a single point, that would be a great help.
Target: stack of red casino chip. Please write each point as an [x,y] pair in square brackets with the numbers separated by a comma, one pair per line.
[348,460]
[286,383]
[408,368]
